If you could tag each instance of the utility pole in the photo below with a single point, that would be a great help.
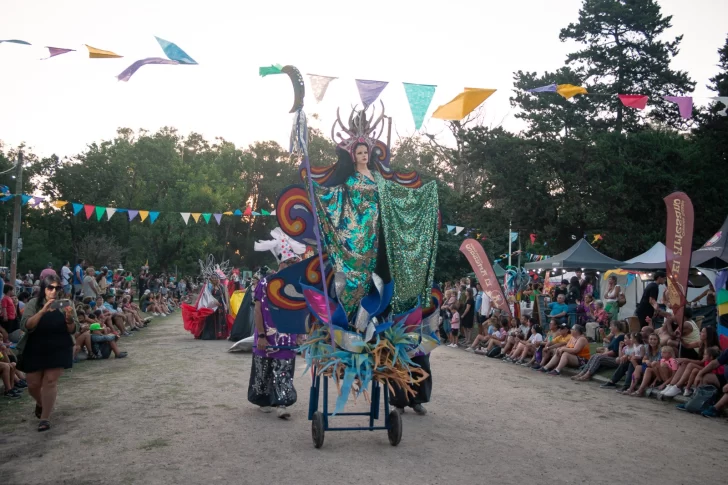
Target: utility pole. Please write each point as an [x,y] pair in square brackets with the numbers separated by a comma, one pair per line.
[18,203]
[510,241]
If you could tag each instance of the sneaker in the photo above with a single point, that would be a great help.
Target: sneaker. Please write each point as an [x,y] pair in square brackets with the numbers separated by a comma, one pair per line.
[12,394]
[399,410]
[469,349]
[688,392]
[608,385]
[419,409]
[283,413]
[525,364]
[21,384]
[265,409]
[711,412]
[671,391]
[122,355]
[680,407]
[554,373]
[155,314]
[537,368]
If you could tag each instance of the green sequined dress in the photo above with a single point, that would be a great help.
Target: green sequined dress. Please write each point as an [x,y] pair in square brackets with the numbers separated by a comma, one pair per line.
[356,215]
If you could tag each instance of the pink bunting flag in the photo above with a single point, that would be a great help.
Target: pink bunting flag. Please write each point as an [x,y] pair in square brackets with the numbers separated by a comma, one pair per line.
[636,101]
[132,214]
[248,211]
[127,73]
[684,104]
[57,51]
[89,210]
[218,217]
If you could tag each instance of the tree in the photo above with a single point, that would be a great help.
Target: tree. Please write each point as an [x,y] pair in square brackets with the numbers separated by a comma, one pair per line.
[623,55]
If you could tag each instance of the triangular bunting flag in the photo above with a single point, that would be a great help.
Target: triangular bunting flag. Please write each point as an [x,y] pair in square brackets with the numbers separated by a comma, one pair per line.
[551,88]
[57,51]
[227,213]
[369,91]
[207,216]
[419,97]
[268,70]
[132,214]
[25,199]
[36,201]
[273,213]
[143,215]
[569,90]
[636,101]
[218,218]
[153,216]
[7,198]
[185,216]
[15,41]
[58,203]
[238,212]
[172,51]
[94,53]
[724,100]
[89,210]
[110,211]
[450,228]
[319,84]
[248,211]
[196,216]
[458,230]
[462,104]
[264,212]
[76,208]
[255,213]
[100,211]
[684,104]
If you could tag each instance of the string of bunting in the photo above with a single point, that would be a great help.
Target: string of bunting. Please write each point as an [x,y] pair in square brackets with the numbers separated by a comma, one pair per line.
[529,256]
[99,212]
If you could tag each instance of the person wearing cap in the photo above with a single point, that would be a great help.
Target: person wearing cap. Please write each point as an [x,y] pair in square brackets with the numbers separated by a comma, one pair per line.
[105,343]
[559,340]
[274,358]
[651,291]
[48,271]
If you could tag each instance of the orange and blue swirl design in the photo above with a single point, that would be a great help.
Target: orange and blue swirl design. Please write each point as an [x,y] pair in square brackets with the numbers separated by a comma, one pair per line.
[294,214]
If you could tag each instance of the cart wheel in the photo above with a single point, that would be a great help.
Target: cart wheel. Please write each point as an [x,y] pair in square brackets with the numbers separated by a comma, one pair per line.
[317,429]
[395,428]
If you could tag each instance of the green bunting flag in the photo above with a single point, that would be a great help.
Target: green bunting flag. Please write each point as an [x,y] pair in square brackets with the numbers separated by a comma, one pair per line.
[100,212]
[264,212]
[267,70]
[207,217]
[419,97]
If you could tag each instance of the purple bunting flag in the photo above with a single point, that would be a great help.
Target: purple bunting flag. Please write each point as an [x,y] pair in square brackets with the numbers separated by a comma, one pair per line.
[57,51]
[684,104]
[551,88]
[369,91]
[132,214]
[127,73]
[218,217]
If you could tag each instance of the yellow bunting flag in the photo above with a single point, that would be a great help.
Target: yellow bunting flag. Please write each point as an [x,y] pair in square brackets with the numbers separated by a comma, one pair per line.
[462,104]
[569,90]
[94,53]
[228,213]
[143,215]
[196,216]
[59,203]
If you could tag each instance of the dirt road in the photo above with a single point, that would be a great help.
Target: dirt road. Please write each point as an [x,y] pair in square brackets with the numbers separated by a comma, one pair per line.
[176,411]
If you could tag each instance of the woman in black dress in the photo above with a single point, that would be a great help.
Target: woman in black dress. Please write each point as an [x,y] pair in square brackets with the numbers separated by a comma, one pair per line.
[466,318]
[47,346]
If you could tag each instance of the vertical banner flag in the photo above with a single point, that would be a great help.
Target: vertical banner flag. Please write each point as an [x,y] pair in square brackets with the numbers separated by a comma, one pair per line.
[218,218]
[684,104]
[533,238]
[76,208]
[678,250]
[319,85]
[153,216]
[369,91]
[484,271]
[419,97]
[132,214]
[185,217]
[636,101]
[514,236]
[110,211]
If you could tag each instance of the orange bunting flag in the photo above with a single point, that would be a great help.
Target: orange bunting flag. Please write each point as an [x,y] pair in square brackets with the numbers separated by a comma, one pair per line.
[58,203]
[143,215]
[196,216]
[94,53]
[463,104]
[636,101]
[569,90]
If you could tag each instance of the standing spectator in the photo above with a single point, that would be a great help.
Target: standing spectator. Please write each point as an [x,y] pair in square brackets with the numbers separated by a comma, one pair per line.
[90,288]
[652,290]
[466,318]
[46,347]
[48,271]
[78,277]
[611,298]
[66,277]
[9,313]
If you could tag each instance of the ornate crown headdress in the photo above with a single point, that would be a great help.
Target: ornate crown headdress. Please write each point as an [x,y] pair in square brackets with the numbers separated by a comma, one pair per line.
[208,268]
[360,129]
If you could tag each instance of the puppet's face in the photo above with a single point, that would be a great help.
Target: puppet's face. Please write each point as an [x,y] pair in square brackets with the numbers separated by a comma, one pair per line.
[361,155]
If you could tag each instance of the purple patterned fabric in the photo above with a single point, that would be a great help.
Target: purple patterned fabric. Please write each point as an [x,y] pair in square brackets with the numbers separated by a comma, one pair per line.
[272,336]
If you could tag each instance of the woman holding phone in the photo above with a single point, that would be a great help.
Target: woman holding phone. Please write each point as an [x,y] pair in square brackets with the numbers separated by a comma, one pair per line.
[49,323]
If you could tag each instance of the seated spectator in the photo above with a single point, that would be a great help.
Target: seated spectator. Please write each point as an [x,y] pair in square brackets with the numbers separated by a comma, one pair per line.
[556,339]
[605,356]
[515,335]
[691,384]
[574,354]
[707,377]
[527,348]
[598,320]
[499,339]
[559,309]
[481,339]
[708,337]
[104,343]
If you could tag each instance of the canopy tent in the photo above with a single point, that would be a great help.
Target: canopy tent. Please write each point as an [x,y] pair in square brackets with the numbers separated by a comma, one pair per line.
[580,255]
[714,253]
[653,259]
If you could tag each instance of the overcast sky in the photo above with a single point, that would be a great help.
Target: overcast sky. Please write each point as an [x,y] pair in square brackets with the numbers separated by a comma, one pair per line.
[62,104]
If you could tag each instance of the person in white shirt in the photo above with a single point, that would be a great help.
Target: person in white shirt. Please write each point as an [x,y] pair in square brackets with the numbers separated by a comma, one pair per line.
[527,348]
[66,275]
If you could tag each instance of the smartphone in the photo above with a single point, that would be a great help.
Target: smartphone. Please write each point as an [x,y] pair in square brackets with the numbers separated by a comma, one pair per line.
[60,304]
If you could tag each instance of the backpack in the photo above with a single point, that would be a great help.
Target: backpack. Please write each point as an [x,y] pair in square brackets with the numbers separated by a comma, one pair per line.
[704,397]
[494,352]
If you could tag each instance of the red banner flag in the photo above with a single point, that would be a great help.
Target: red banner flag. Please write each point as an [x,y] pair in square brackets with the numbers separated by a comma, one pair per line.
[484,271]
[678,249]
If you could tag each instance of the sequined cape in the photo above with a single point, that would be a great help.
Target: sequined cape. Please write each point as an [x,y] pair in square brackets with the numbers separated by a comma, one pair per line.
[350,216]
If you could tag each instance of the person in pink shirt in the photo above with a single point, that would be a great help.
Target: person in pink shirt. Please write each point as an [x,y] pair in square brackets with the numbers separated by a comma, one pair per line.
[455,325]
[49,271]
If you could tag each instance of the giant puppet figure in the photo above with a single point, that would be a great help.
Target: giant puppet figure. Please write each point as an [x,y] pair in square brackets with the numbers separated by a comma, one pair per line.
[376,232]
